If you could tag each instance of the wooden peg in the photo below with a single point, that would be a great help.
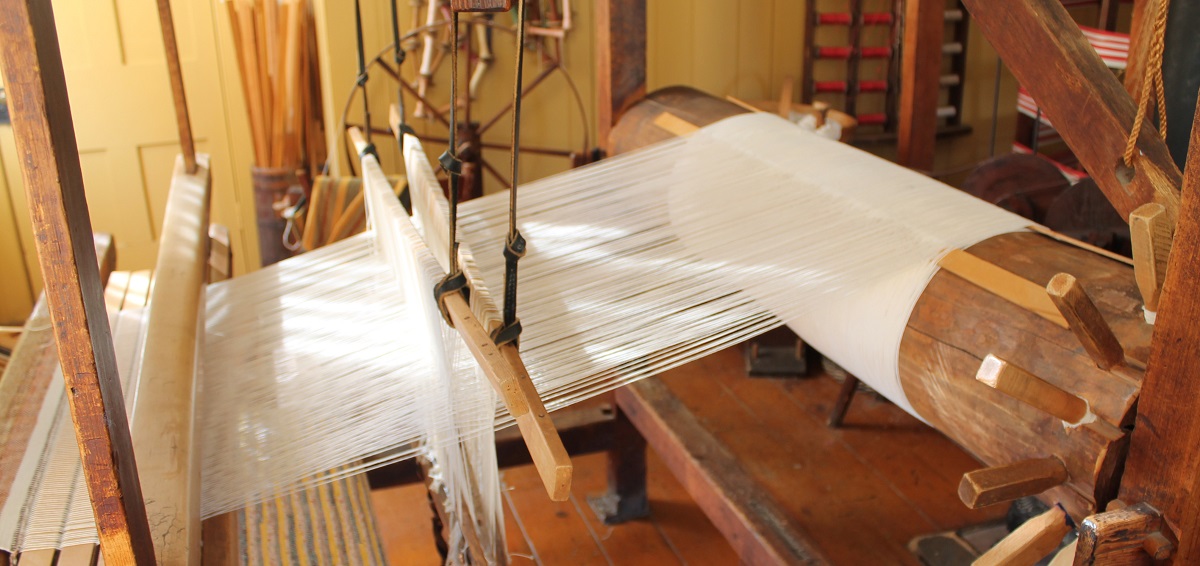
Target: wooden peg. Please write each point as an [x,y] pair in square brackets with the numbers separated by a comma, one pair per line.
[1031,542]
[1118,536]
[1032,390]
[1085,321]
[989,486]
[1150,233]
[481,5]
[503,367]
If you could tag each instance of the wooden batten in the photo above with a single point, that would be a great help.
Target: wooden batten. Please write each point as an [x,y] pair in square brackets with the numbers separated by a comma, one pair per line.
[164,434]
[1012,287]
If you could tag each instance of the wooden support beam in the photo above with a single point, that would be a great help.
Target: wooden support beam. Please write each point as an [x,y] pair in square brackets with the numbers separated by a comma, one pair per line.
[1031,542]
[753,523]
[1000,484]
[1163,468]
[620,61]
[1086,321]
[165,410]
[920,83]
[45,136]
[187,144]
[1150,234]
[1045,50]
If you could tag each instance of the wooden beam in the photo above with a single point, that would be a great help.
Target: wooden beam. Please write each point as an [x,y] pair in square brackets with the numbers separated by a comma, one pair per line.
[45,136]
[187,144]
[1050,57]
[620,61]
[1163,468]
[753,523]
[921,70]
[166,400]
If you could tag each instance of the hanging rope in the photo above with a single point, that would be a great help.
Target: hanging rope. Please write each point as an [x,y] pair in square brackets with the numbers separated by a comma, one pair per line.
[455,281]
[1151,78]
[514,247]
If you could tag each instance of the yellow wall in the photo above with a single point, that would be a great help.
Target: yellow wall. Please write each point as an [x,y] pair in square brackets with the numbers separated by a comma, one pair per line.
[125,128]
[744,48]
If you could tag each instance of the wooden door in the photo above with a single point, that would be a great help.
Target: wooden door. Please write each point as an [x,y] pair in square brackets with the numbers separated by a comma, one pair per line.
[124,123]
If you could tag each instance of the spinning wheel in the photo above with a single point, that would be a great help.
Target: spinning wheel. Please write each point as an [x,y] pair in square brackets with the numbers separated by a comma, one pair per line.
[424,94]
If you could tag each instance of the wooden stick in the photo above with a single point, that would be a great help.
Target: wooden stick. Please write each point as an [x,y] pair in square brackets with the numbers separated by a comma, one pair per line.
[1058,236]
[45,136]
[1032,390]
[674,124]
[175,72]
[1150,232]
[1013,288]
[1031,542]
[1086,321]
[785,97]
[507,374]
[1000,484]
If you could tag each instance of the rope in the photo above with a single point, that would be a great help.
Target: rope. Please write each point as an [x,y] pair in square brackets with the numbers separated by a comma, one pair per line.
[514,247]
[1151,77]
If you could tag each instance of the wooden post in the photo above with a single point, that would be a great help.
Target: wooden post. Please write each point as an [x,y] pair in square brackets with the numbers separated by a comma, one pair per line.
[620,61]
[921,70]
[626,498]
[45,135]
[186,144]
[1045,50]
[1163,468]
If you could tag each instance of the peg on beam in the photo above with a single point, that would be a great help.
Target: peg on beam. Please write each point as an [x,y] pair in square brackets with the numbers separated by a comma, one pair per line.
[1033,390]
[1031,542]
[1150,233]
[989,486]
[1085,321]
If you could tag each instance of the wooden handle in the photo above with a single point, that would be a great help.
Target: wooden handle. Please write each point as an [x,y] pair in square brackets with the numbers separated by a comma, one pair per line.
[508,375]
[481,5]
[1150,233]
[1031,542]
[1032,390]
[1085,321]
[989,486]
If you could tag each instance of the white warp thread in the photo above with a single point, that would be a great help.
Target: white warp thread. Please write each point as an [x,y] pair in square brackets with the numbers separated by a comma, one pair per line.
[636,264]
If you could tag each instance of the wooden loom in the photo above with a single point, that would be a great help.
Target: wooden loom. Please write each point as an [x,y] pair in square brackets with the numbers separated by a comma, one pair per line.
[1147,513]
[151,514]
[73,292]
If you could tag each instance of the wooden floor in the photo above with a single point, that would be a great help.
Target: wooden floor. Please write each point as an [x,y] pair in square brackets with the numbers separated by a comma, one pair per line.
[862,491]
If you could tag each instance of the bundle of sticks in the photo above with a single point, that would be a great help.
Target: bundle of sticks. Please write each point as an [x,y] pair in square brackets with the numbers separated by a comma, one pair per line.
[276,50]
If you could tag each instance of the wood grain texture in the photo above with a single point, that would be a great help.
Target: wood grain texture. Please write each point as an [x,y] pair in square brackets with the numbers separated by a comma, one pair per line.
[1013,481]
[1003,283]
[1150,234]
[41,116]
[1085,321]
[1119,536]
[1050,57]
[921,69]
[755,526]
[1032,390]
[1164,464]
[1031,542]
[954,326]
[620,61]
[165,437]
